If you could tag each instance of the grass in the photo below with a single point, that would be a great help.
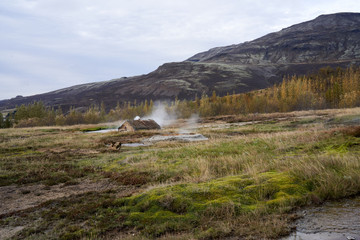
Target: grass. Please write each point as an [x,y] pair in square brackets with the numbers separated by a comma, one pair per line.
[42,156]
[92,129]
[33,167]
[244,182]
[187,206]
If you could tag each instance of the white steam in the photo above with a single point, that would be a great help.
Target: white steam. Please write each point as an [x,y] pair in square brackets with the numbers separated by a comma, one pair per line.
[191,125]
[161,115]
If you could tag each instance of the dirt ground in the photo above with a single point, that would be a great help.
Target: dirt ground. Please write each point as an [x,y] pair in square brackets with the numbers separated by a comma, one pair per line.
[15,199]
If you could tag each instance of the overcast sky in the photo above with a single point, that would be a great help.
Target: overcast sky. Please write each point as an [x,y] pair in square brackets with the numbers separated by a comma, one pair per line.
[51,44]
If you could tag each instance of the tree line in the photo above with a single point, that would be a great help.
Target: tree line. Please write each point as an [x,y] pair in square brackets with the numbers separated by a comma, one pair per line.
[329,88]
[37,114]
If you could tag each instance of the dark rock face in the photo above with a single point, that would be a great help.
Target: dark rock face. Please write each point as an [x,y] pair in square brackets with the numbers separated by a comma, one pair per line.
[329,40]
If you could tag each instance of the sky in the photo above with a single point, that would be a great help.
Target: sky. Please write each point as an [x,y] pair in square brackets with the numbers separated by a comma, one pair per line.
[47,45]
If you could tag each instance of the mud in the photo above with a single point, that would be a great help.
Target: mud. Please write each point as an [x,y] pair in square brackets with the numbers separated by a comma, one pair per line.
[133,145]
[180,137]
[8,232]
[69,151]
[17,198]
[332,221]
[171,137]
[131,137]
[227,125]
[103,131]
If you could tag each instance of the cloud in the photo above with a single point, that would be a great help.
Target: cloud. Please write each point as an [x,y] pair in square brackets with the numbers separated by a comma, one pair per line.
[15,84]
[56,43]
[28,73]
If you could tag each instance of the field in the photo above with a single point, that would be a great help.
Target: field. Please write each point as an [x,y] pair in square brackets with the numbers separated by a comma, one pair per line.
[245,181]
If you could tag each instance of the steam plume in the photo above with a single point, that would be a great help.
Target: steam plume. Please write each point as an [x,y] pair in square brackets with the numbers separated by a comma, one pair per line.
[191,124]
[161,115]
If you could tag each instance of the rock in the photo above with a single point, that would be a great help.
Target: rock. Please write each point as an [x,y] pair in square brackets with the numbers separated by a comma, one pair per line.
[115,145]
[328,38]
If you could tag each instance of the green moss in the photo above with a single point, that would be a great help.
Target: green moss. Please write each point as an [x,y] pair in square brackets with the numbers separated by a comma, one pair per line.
[94,129]
[186,205]
[18,151]
[336,143]
[73,232]
[347,119]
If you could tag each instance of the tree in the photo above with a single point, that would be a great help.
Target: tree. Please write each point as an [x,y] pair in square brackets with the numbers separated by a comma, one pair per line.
[213,96]
[21,113]
[7,123]
[102,111]
[1,120]
[92,115]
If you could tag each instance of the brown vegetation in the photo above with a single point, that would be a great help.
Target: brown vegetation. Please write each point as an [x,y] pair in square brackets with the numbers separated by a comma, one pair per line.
[329,88]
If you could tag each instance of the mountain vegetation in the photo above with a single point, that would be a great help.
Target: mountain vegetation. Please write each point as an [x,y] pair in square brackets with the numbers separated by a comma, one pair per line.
[329,88]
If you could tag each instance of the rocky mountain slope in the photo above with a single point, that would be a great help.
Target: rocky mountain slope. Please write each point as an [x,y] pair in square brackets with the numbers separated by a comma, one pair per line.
[329,40]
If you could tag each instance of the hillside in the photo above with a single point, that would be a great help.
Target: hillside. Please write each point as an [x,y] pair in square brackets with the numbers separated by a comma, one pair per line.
[328,40]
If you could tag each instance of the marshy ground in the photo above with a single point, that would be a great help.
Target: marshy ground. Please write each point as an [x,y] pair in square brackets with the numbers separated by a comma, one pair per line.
[248,180]
[332,220]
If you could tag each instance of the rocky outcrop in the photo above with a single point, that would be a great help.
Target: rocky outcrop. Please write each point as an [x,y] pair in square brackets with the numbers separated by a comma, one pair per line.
[329,40]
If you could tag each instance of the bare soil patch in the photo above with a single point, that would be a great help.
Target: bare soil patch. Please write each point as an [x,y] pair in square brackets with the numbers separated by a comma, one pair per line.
[132,137]
[18,198]
[65,150]
[8,232]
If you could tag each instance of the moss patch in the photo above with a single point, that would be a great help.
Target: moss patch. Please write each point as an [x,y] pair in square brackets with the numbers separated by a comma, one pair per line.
[184,206]
[94,129]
